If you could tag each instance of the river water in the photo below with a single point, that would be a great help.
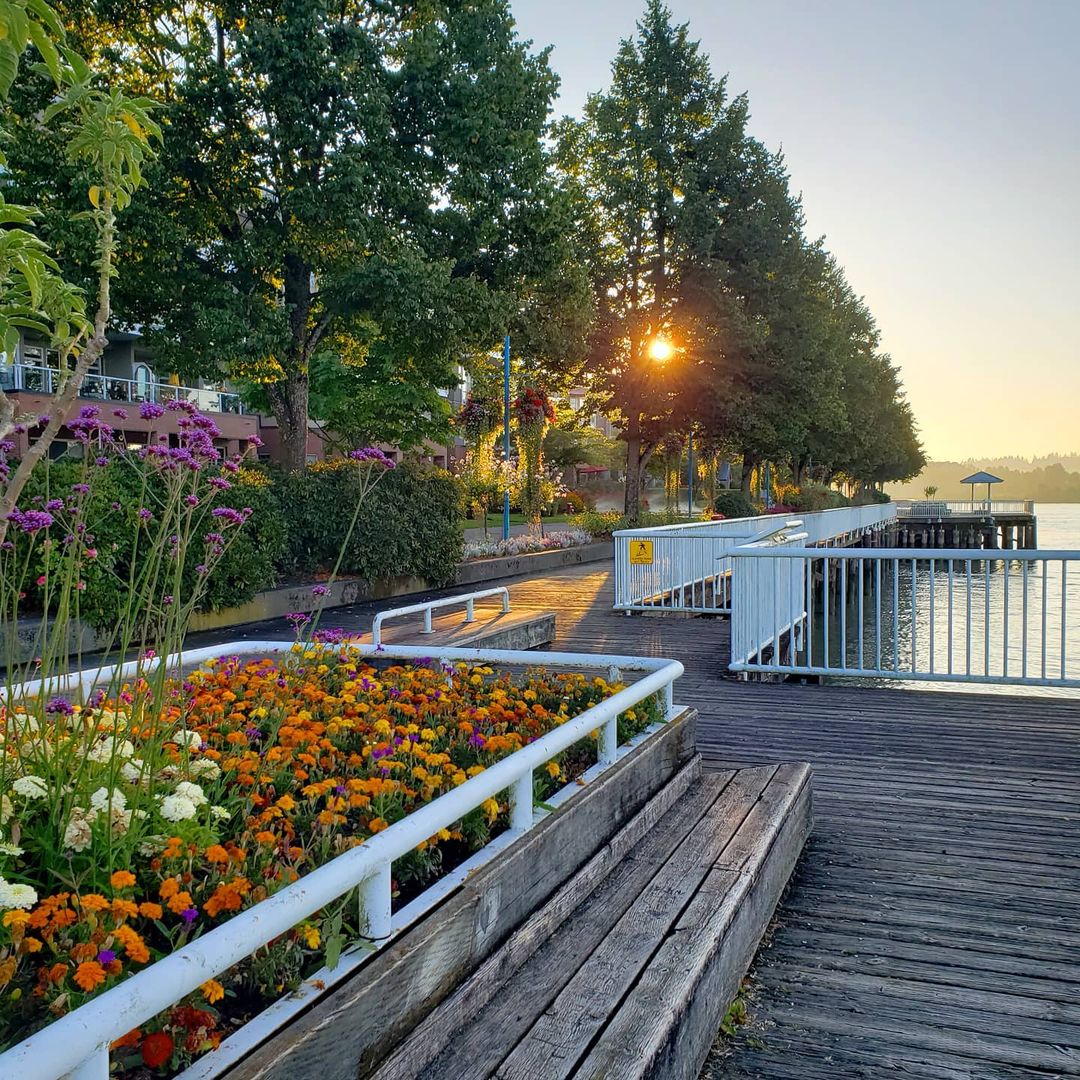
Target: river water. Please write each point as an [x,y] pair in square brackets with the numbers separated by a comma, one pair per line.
[982,637]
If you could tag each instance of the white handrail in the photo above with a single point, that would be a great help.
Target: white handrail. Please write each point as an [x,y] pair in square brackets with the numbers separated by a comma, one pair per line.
[468,599]
[925,614]
[77,1045]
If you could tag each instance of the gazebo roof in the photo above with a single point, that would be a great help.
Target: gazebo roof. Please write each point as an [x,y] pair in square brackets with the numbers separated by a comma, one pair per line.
[982,478]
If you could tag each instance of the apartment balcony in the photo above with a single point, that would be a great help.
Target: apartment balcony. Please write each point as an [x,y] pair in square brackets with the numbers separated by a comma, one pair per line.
[36,379]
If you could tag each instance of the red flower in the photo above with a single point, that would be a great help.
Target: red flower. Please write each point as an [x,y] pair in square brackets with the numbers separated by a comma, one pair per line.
[157,1049]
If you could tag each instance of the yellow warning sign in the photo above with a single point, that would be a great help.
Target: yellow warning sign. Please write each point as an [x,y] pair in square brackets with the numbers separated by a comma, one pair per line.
[641,553]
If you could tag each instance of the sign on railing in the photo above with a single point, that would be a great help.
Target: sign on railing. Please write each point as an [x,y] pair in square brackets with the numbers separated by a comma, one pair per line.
[935,615]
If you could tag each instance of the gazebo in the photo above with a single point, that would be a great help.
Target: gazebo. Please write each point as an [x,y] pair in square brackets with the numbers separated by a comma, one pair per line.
[981,478]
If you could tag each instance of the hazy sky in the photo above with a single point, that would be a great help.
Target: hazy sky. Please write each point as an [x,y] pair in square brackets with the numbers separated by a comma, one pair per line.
[937,147]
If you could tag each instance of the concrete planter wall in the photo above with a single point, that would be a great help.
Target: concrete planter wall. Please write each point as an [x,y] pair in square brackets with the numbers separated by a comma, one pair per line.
[275,603]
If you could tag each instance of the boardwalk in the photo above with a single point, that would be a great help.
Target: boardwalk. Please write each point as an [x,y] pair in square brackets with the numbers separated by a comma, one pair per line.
[933,928]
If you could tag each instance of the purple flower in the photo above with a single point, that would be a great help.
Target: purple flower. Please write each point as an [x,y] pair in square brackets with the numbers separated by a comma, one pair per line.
[114,506]
[150,410]
[372,454]
[332,636]
[89,412]
[54,504]
[254,440]
[227,513]
[43,419]
[298,619]
[60,706]
[31,521]
[145,515]
[81,489]
[219,482]
[101,462]
[191,500]
[189,915]
[200,569]
[106,956]
[319,590]
[120,414]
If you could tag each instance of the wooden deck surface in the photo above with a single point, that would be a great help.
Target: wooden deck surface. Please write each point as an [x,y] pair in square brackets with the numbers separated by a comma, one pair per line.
[933,927]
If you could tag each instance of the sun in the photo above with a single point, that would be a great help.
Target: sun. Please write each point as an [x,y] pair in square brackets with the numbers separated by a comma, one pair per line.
[660,349]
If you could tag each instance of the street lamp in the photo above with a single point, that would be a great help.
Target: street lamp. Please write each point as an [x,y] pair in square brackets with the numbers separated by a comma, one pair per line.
[506,436]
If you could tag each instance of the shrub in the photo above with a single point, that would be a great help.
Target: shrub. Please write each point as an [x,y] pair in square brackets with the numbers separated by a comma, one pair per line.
[598,522]
[733,504]
[409,524]
[813,497]
[870,496]
[248,564]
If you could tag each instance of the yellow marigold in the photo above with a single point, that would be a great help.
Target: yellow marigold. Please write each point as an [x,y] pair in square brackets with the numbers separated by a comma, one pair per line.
[286,803]
[490,808]
[124,909]
[122,879]
[32,945]
[18,917]
[212,990]
[377,825]
[88,975]
[311,935]
[553,769]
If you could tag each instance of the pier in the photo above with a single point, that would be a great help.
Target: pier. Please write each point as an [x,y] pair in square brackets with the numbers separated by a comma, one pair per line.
[965,524]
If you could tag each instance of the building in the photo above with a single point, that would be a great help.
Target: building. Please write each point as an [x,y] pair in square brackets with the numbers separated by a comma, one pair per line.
[124,378]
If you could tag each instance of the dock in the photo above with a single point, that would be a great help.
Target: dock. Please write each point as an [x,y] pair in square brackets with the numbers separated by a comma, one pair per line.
[932,924]
[966,524]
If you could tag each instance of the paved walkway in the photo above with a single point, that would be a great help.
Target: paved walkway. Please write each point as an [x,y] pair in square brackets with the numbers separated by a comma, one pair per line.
[933,928]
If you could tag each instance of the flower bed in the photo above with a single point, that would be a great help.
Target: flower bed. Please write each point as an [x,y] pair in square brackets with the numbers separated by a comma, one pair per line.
[527,544]
[161,821]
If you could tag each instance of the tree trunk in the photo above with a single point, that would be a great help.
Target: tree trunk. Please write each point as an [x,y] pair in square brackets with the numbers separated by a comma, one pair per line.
[632,498]
[289,398]
[749,463]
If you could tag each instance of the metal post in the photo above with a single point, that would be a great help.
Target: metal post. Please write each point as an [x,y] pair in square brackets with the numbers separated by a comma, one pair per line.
[690,476]
[506,435]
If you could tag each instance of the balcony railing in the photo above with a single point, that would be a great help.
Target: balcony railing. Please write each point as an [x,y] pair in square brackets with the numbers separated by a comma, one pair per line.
[34,379]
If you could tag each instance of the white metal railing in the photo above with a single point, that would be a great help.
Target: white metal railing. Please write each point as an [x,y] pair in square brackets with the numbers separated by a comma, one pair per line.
[932,615]
[468,599]
[767,598]
[77,1045]
[690,567]
[36,379]
[934,509]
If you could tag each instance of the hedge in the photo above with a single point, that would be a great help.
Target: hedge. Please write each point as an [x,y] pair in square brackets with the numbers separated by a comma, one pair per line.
[409,526]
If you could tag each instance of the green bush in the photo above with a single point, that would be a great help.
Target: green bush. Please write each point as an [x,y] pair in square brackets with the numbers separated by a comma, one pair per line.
[813,497]
[249,564]
[870,496]
[733,504]
[409,525]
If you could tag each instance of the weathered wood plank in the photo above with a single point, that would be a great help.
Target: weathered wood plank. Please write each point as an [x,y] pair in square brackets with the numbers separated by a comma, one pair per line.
[562,1033]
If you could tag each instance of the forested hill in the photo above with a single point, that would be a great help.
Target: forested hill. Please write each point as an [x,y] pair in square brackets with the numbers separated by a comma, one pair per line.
[1026,480]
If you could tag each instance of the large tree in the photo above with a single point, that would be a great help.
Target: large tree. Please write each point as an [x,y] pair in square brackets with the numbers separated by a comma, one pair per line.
[630,159]
[354,199]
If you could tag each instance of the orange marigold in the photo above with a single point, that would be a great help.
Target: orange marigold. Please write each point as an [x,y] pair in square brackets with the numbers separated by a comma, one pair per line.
[89,975]
[149,910]
[93,902]
[212,990]
[169,887]
[122,879]
[124,909]
[215,853]
[179,901]
[132,1038]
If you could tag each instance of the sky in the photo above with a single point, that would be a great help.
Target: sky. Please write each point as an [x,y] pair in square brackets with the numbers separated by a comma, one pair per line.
[936,144]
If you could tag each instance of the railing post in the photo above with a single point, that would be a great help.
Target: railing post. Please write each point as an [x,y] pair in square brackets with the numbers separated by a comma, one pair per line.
[506,601]
[608,751]
[521,803]
[470,615]
[375,903]
[427,622]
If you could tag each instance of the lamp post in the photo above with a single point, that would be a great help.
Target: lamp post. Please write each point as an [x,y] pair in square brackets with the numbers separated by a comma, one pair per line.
[506,436]
[690,476]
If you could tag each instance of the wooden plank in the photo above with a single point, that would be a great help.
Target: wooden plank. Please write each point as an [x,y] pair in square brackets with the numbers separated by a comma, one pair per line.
[667,1026]
[549,946]
[562,1033]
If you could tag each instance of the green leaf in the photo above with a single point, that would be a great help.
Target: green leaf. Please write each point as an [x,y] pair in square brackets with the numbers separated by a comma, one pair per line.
[44,45]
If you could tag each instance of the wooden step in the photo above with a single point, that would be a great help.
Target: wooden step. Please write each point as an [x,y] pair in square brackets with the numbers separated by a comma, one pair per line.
[630,975]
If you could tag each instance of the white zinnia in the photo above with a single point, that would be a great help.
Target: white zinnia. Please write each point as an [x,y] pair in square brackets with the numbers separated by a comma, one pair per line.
[220,813]
[191,739]
[30,787]
[192,792]
[103,799]
[13,895]
[177,808]
[77,835]
[205,767]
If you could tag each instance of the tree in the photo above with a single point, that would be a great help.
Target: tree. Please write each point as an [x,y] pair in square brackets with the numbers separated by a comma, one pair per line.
[106,137]
[356,200]
[629,160]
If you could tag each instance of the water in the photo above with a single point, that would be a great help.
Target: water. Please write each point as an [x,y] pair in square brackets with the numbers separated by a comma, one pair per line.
[995,646]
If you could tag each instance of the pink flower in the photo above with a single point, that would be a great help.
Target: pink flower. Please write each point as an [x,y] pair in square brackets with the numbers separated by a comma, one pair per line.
[41,580]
